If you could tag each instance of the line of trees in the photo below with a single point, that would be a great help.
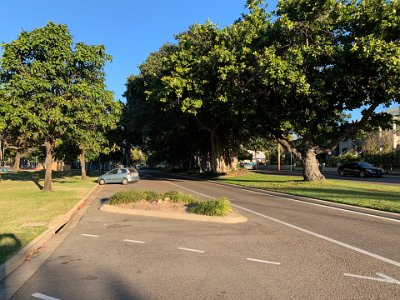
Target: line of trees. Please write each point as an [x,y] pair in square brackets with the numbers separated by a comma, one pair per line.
[53,95]
[294,72]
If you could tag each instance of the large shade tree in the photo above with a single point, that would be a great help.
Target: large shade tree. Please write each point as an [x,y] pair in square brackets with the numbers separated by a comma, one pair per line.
[314,61]
[291,75]
[197,84]
[46,83]
[164,131]
[94,108]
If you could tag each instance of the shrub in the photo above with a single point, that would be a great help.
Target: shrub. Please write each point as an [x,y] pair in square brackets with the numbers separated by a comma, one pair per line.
[127,197]
[218,207]
[152,196]
[175,196]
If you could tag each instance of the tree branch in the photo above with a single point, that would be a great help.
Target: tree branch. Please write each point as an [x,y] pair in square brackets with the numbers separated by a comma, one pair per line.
[289,147]
[347,131]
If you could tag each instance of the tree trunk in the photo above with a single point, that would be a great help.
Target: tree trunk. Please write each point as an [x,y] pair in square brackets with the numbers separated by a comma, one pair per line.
[213,154]
[255,157]
[83,165]
[49,160]
[1,152]
[17,162]
[310,164]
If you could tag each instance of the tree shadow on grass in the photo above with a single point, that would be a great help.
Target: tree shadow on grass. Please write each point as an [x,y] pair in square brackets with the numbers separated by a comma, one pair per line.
[34,176]
[9,245]
[252,180]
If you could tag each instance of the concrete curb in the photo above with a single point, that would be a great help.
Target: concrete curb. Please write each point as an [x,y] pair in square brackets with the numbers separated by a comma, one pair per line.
[233,218]
[57,223]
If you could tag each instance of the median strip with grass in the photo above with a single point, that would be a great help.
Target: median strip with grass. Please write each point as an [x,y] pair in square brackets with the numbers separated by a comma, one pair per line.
[172,201]
[363,194]
[25,210]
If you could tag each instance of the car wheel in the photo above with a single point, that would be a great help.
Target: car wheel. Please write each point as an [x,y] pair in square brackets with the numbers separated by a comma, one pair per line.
[342,173]
[362,174]
[102,181]
[124,181]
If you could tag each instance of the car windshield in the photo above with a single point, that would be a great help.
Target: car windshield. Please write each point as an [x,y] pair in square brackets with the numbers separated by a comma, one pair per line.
[366,165]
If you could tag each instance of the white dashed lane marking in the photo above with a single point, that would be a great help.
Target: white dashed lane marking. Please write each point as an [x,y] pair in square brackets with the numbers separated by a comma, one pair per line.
[382,278]
[192,250]
[320,236]
[90,235]
[263,261]
[133,241]
[44,297]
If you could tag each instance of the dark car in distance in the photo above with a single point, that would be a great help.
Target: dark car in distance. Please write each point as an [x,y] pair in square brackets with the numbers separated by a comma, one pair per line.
[361,169]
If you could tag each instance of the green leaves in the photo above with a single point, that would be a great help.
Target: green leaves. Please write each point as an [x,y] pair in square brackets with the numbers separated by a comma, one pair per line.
[291,73]
[57,90]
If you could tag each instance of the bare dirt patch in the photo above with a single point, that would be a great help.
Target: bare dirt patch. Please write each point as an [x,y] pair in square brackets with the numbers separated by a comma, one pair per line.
[165,206]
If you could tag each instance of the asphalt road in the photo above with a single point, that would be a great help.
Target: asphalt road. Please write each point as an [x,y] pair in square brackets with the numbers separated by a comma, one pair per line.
[287,250]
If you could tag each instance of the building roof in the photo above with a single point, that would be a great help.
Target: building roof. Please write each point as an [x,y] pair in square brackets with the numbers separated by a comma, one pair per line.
[394,111]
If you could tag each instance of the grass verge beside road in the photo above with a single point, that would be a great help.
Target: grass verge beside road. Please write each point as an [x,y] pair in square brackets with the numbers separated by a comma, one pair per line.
[25,210]
[380,197]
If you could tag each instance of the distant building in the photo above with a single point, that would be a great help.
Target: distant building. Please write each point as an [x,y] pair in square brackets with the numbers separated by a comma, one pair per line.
[347,145]
[396,128]
[259,156]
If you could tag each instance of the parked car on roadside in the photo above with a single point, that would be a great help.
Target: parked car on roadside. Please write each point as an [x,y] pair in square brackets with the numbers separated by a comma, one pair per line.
[361,169]
[248,165]
[119,175]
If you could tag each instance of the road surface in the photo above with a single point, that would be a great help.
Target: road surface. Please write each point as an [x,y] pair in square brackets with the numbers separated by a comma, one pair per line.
[287,250]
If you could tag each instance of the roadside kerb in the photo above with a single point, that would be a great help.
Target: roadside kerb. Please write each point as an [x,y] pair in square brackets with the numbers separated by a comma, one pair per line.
[58,222]
[233,218]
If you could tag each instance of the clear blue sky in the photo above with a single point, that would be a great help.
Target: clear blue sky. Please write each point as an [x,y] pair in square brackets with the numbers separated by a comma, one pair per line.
[129,29]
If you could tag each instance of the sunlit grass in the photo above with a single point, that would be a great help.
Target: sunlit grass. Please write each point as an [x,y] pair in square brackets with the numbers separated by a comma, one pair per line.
[26,210]
[376,196]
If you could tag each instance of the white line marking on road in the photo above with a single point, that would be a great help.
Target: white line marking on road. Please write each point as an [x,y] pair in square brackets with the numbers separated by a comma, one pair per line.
[90,235]
[204,195]
[381,278]
[192,250]
[387,260]
[44,297]
[133,241]
[263,261]
[376,256]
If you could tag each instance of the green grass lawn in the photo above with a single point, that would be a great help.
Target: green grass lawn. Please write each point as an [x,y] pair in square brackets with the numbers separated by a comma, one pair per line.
[364,194]
[25,209]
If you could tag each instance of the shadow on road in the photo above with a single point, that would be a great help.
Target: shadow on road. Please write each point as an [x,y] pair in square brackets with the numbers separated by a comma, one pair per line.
[9,244]
[73,277]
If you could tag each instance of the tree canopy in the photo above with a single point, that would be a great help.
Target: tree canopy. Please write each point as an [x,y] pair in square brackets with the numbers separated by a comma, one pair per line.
[290,75]
[54,90]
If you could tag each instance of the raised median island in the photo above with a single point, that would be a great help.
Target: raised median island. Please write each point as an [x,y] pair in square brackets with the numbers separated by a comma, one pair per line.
[173,205]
